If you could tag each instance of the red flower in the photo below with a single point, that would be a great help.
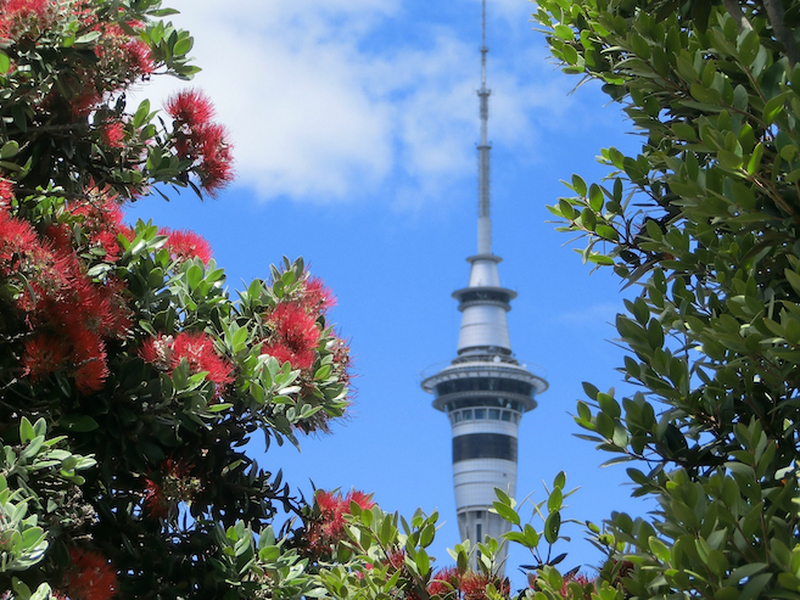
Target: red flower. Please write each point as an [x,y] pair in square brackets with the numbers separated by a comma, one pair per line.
[582,580]
[23,8]
[444,582]
[197,348]
[200,141]
[157,351]
[85,103]
[139,57]
[114,134]
[100,217]
[43,355]
[185,245]
[16,237]
[6,192]
[90,576]
[190,107]
[216,167]
[316,296]
[328,528]
[168,487]
[295,335]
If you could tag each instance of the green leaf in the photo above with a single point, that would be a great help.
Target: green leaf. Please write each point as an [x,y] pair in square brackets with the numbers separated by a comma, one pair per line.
[5,63]
[183,45]
[506,512]
[659,550]
[26,432]
[531,537]
[552,526]
[555,500]
[793,278]
[423,562]
[9,150]
[579,185]
[754,586]
[564,32]
[596,197]
[773,108]
[78,423]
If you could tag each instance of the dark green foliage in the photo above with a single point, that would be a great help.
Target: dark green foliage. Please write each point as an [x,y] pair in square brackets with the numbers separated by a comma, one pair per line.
[705,222]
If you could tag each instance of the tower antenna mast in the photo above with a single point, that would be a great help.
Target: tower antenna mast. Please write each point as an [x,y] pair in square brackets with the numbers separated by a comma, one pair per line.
[484,216]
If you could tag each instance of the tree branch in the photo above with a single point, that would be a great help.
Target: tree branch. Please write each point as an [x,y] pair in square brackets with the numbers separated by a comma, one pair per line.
[734,10]
[782,33]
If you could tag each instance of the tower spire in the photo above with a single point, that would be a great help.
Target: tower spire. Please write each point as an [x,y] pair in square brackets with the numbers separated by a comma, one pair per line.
[484,216]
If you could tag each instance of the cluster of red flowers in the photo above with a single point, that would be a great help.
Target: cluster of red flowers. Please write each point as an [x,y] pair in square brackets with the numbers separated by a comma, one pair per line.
[113,133]
[89,577]
[296,332]
[166,489]
[123,52]
[20,16]
[185,245]
[195,347]
[69,315]
[199,140]
[295,335]
[452,583]
[327,528]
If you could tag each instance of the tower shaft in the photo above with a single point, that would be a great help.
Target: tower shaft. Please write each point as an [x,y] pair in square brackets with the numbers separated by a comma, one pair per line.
[484,391]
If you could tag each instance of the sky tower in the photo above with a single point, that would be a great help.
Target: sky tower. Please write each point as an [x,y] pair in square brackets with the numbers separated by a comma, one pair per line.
[484,391]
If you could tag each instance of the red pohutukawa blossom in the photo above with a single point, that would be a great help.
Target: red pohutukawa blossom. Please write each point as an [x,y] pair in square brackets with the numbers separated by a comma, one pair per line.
[18,17]
[43,355]
[197,348]
[316,296]
[100,218]
[71,314]
[295,335]
[167,487]
[473,585]
[184,245]
[89,577]
[113,134]
[6,192]
[199,140]
[328,527]
[445,581]
[190,107]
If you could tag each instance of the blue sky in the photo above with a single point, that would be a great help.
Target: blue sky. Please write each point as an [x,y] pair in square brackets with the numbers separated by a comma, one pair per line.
[355,124]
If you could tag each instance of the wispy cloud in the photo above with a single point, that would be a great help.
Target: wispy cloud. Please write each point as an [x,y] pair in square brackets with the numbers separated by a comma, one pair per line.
[320,112]
[592,315]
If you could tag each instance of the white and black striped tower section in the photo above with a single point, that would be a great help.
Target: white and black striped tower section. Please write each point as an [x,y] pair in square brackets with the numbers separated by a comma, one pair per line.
[484,391]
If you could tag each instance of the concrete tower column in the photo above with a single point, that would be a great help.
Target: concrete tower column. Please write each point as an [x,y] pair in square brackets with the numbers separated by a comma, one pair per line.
[484,391]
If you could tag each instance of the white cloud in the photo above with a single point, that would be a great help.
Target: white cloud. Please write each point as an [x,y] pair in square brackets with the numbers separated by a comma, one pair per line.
[319,112]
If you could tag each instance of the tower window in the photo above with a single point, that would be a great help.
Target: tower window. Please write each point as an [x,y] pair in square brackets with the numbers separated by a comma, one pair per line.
[480,413]
[506,416]
[484,445]
[494,414]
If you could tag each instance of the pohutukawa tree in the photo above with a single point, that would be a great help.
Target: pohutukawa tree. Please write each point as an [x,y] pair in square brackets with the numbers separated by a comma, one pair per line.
[130,381]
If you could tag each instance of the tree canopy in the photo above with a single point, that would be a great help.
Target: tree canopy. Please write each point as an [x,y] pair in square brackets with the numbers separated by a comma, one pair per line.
[703,223]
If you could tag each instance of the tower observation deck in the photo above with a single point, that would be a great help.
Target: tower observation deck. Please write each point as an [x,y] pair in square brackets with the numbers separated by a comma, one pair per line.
[484,391]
